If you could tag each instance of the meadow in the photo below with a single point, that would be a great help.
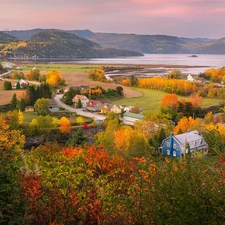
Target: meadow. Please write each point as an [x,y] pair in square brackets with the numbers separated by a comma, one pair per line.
[150,100]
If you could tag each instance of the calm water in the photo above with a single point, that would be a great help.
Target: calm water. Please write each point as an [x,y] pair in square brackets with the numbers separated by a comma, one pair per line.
[205,61]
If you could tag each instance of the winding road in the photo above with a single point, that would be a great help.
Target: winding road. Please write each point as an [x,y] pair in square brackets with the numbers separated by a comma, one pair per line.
[95,116]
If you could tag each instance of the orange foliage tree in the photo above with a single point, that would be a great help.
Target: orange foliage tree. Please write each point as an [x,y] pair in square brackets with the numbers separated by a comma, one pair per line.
[169,101]
[65,125]
[189,123]
[195,100]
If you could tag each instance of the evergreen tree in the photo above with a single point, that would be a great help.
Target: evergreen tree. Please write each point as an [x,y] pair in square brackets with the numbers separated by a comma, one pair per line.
[7,85]
[18,85]
[31,95]
[77,139]
[79,104]
[21,105]
[14,101]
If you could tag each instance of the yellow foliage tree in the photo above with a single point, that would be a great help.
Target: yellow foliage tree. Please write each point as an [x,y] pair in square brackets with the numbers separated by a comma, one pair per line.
[189,123]
[65,125]
[80,120]
[54,78]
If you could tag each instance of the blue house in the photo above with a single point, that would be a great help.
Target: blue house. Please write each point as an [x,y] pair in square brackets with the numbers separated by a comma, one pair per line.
[178,145]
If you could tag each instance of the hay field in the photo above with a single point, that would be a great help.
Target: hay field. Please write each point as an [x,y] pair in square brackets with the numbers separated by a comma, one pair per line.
[6,96]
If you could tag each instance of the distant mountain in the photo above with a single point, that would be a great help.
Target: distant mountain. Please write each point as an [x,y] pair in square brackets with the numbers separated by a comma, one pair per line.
[146,44]
[6,38]
[214,47]
[57,43]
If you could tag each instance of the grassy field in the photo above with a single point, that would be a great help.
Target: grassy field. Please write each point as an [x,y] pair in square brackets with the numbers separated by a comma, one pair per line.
[151,99]
[60,67]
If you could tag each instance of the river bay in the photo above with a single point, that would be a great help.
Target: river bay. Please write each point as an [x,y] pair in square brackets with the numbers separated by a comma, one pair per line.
[155,64]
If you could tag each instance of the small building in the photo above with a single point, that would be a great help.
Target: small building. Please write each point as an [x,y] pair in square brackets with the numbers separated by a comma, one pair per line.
[94,105]
[84,100]
[106,108]
[131,118]
[190,78]
[178,146]
[53,107]
[115,109]
[29,109]
[23,83]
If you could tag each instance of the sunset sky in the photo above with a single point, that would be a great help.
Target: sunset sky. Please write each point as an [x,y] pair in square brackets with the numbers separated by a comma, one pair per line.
[183,18]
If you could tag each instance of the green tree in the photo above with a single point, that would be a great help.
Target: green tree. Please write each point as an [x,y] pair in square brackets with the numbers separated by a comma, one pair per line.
[14,101]
[7,85]
[18,85]
[31,95]
[41,106]
[119,90]
[79,104]
[77,139]
[21,105]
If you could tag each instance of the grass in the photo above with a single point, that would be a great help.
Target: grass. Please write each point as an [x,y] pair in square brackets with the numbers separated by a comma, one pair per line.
[60,67]
[151,99]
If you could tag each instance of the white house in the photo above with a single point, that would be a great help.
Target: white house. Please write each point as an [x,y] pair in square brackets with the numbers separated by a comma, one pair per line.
[131,118]
[190,78]
[84,100]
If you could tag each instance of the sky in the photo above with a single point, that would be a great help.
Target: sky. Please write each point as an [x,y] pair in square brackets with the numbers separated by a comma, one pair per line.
[182,18]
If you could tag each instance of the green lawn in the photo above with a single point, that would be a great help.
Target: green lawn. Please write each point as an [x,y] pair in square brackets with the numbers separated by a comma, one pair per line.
[61,67]
[151,99]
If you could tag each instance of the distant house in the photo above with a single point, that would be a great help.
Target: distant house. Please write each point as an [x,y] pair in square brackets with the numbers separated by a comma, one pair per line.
[115,109]
[22,83]
[106,107]
[131,118]
[190,78]
[84,100]
[94,105]
[53,107]
[29,109]
[178,146]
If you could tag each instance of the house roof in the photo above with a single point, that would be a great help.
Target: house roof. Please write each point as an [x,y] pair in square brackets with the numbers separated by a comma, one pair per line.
[193,138]
[188,137]
[79,97]
[93,102]
[133,115]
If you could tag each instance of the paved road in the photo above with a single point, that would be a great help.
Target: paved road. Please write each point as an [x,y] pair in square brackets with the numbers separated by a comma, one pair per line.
[3,74]
[95,116]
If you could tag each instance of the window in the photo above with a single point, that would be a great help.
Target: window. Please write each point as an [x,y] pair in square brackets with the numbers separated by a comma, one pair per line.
[174,153]
[168,152]
[167,144]
[174,146]
[195,142]
[200,142]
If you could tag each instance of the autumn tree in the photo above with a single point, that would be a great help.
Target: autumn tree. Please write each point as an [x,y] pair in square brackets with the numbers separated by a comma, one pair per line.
[80,120]
[11,144]
[54,78]
[41,106]
[65,125]
[34,74]
[209,118]
[97,74]
[174,74]
[189,123]
[195,100]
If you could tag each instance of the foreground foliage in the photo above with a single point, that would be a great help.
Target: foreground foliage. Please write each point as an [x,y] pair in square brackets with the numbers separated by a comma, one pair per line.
[91,185]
